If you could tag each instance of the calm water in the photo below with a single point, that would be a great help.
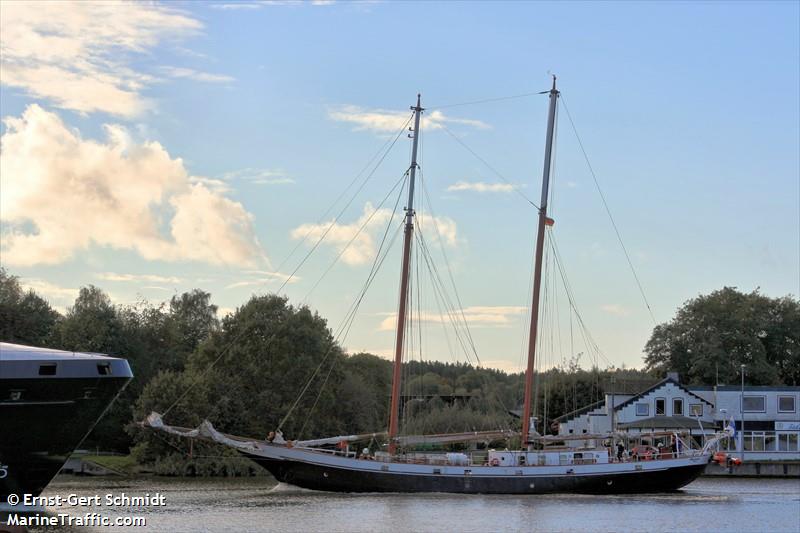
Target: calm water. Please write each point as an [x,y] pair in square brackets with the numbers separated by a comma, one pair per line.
[258,504]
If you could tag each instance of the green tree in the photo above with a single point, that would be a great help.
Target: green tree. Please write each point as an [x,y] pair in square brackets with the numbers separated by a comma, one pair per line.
[712,335]
[91,324]
[25,317]
[191,319]
[250,372]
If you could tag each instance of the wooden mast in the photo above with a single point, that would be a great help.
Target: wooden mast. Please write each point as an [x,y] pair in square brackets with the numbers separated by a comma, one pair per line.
[394,413]
[537,272]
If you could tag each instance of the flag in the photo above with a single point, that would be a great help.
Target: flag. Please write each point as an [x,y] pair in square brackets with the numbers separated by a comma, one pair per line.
[732,428]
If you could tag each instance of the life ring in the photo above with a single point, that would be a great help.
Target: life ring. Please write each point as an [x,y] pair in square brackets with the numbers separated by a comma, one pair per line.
[494,462]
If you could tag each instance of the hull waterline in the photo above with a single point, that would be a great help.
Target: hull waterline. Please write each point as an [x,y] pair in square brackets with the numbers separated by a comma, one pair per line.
[338,479]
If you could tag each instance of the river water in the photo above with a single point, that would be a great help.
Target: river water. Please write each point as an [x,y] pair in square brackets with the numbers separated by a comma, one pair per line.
[259,504]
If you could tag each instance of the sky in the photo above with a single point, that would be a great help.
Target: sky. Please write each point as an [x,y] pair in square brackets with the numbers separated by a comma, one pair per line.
[153,148]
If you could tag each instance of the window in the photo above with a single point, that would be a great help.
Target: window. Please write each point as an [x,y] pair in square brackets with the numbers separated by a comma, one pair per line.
[729,445]
[47,370]
[642,409]
[696,409]
[754,441]
[661,406]
[786,404]
[677,406]
[787,442]
[753,404]
[104,369]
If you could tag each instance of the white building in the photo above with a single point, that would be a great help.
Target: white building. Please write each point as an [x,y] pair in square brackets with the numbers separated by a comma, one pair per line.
[771,416]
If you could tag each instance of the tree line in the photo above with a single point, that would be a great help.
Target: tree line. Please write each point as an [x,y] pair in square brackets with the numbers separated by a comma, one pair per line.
[245,372]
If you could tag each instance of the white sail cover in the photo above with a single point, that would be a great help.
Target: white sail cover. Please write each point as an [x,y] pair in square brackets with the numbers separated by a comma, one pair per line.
[203,431]
[207,431]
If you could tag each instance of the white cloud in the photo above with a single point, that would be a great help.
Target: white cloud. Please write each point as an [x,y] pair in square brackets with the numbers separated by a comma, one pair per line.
[225,311]
[384,353]
[196,75]
[63,194]
[259,176]
[383,120]
[480,186]
[78,54]
[257,4]
[236,6]
[113,276]
[486,316]
[508,367]
[58,297]
[263,277]
[614,309]
[215,185]
[363,248]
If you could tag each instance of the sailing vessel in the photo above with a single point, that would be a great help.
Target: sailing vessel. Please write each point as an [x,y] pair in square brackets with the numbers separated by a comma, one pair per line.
[537,467]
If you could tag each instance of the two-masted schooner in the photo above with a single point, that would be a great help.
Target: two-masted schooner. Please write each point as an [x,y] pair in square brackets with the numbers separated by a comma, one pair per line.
[532,469]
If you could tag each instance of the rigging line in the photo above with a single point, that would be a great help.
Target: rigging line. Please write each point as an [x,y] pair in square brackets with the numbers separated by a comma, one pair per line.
[439,304]
[490,167]
[269,341]
[344,328]
[360,229]
[455,313]
[608,211]
[341,195]
[483,101]
[439,286]
[350,201]
[588,340]
[350,316]
[427,199]
[452,313]
[222,352]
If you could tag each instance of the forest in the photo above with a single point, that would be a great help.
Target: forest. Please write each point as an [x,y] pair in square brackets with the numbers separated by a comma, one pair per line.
[244,371]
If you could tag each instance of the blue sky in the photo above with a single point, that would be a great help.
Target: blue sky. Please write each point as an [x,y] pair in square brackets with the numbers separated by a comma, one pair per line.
[153,148]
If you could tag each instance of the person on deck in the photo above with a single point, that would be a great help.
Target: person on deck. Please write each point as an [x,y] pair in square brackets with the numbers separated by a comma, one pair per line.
[620,451]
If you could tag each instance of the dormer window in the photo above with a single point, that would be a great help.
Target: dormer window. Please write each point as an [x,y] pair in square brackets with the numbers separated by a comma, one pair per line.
[677,406]
[661,406]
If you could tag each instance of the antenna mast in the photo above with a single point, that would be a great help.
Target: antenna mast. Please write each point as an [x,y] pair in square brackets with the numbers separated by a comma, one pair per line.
[537,273]
[394,412]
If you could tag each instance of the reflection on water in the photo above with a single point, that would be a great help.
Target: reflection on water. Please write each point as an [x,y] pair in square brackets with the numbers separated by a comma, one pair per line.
[259,504]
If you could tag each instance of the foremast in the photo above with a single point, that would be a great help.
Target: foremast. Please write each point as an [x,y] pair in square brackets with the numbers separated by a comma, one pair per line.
[394,413]
[537,272]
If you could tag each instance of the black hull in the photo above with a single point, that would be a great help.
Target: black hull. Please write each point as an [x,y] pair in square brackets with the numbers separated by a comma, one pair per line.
[38,434]
[317,477]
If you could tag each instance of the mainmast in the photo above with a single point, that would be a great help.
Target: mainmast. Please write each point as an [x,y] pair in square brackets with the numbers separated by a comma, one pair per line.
[394,413]
[537,272]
